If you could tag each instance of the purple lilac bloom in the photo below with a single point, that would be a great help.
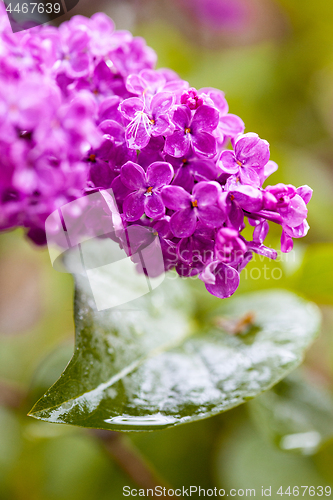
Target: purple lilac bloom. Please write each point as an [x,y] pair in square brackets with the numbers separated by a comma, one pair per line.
[189,208]
[145,189]
[82,109]
[248,159]
[195,131]
[147,119]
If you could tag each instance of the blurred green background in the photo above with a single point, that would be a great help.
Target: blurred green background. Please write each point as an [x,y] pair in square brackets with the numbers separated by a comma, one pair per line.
[276,68]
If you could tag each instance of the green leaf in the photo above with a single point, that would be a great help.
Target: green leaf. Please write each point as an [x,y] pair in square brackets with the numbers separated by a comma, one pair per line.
[150,365]
[295,415]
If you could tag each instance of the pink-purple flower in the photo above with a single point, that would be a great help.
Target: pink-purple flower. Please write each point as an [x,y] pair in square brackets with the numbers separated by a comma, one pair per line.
[195,131]
[145,189]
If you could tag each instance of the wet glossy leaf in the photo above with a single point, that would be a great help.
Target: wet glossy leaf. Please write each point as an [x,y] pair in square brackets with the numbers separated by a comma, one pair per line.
[149,365]
[295,415]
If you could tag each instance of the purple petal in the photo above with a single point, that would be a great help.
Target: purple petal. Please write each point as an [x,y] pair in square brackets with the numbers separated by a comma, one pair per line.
[114,130]
[159,174]
[204,170]
[226,280]
[184,250]
[133,207]
[153,80]
[183,223]
[286,243]
[270,253]
[204,143]
[205,118]
[162,126]
[298,231]
[206,193]
[305,192]
[108,108]
[249,176]
[119,189]
[101,174]
[252,151]
[217,96]
[178,144]
[248,197]
[136,236]
[236,216]
[184,178]
[135,84]
[269,169]
[269,201]
[231,125]
[295,212]
[182,117]
[232,209]
[133,176]
[137,135]
[176,198]
[161,103]
[79,64]
[260,232]
[129,107]
[211,215]
[228,163]
[154,207]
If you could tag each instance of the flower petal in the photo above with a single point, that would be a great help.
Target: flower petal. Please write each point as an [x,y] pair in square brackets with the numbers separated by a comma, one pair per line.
[129,107]
[206,193]
[133,207]
[135,84]
[205,118]
[137,134]
[228,163]
[154,206]
[133,176]
[159,174]
[305,192]
[226,279]
[204,143]
[204,170]
[295,212]
[181,117]
[183,223]
[177,144]
[260,232]
[231,125]
[212,216]
[252,151]
[286,243]
[161,103]
[162,126]
[176,198]
[249,198]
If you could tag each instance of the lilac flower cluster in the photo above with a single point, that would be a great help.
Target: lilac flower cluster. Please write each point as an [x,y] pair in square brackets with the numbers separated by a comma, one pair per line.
[83,110]
[55,86]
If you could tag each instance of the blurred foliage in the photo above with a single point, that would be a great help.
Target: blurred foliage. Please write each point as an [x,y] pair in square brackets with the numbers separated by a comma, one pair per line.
[282,87]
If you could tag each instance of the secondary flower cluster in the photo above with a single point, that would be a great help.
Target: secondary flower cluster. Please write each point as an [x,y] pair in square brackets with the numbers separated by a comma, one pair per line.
[83,110]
